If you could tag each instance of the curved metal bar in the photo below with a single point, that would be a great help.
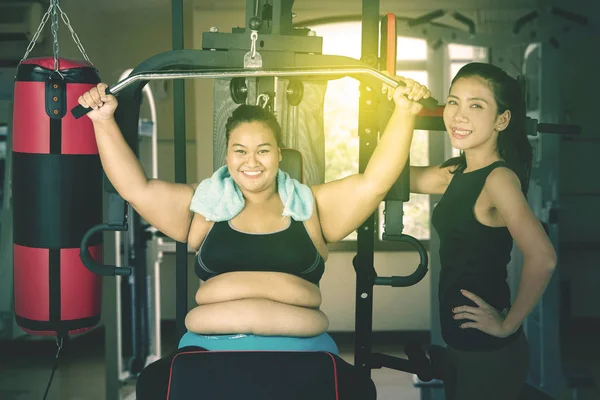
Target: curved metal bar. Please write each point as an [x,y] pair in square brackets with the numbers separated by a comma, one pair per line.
[415,277]
[341,71]
[94,266]
[241,72]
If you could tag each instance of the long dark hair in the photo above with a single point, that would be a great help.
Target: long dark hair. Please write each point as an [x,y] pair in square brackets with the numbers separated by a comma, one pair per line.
[513,145]
[249,113]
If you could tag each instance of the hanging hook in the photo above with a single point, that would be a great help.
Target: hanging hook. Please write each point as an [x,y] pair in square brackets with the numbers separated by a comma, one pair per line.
[59,345]
[265,99]
[253,37]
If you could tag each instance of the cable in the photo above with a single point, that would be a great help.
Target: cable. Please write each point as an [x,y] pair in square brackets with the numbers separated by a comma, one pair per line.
[59,344]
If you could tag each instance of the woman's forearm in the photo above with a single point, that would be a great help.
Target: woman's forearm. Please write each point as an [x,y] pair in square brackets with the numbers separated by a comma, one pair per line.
[535,277]
[390,156]
[120,164]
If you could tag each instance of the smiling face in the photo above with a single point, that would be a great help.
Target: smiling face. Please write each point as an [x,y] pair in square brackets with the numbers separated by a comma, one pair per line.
[470,114]
[253,157]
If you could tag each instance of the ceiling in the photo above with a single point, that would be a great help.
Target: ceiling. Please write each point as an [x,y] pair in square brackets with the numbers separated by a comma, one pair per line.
[121,5]
[485,13]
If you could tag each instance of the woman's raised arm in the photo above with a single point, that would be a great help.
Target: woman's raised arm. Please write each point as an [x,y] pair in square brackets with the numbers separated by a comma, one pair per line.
[164,205]
[345,204]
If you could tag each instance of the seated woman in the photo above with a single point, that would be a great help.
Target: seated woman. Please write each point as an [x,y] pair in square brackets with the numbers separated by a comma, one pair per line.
[262,258]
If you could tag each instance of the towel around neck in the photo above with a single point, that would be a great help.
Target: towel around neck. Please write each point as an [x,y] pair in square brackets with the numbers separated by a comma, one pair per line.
[219,198]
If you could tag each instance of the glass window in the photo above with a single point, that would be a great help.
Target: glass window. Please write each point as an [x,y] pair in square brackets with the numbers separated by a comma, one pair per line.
[411,49]
[467,53]
[341,119]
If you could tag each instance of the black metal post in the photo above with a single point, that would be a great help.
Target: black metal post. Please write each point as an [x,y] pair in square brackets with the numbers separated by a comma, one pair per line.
[368,133]
[180,166]
[141,332]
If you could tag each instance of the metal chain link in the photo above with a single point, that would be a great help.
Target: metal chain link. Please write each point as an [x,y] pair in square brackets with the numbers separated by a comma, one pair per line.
[54,28]
[59,345]
[74,35]
[36,36]
[253,37]
[52,12]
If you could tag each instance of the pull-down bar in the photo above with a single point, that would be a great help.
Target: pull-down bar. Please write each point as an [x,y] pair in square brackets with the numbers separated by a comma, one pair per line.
[331,72]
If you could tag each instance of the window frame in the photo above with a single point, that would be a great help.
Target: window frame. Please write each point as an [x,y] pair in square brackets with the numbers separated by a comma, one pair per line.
[379,244]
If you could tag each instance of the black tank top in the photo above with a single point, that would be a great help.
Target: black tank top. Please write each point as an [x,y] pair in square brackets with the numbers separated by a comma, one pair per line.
[473,257]
[290,250]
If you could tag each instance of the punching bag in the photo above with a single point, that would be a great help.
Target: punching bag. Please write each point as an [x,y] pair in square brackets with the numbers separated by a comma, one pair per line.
[57,197]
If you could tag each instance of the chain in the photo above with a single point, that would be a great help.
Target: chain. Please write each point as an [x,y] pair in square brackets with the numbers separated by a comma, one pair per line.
[59,345]
[54,27]
[253,37]
[74,35]
[52,12]
[36,36]
[252,59]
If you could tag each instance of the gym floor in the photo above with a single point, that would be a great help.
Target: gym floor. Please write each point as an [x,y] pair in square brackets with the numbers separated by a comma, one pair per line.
[25,366]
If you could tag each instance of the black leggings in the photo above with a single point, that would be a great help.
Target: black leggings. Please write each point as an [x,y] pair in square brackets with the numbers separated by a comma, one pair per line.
[490,375]
[153,382]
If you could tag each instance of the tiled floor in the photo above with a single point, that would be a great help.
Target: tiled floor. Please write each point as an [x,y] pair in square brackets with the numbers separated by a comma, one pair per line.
[25,367]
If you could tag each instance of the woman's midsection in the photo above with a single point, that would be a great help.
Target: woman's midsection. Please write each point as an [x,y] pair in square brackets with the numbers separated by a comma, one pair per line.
[256,316]
[260,303]
[276,286]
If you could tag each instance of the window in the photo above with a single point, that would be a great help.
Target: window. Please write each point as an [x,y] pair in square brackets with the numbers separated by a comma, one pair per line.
[341,119]
[461,54]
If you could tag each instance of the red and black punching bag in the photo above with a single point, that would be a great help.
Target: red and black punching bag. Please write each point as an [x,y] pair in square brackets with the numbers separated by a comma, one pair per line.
[57,197]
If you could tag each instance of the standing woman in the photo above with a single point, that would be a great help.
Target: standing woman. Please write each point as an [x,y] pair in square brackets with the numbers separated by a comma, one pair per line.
[482,211]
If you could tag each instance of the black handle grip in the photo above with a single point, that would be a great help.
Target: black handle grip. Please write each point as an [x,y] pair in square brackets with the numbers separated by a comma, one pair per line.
[96,267]
[559,129]
[415,277]
[429,103]
[380,360]
[79,111]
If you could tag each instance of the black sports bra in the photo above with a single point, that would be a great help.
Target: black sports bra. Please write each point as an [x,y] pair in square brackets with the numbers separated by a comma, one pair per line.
[290,250]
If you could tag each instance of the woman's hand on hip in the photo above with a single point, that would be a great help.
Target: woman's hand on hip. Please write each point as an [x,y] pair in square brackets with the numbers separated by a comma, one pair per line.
[483,317]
